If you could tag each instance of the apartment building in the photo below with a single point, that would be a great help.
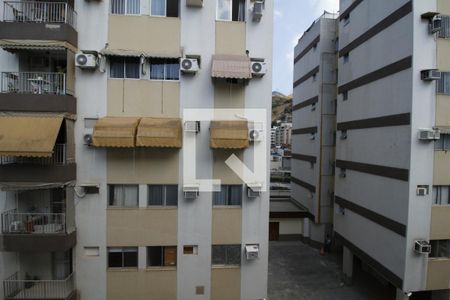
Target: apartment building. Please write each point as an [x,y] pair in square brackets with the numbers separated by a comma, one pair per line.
[388,155]
[106,84]
[37,144]
[313,132]
[281,134]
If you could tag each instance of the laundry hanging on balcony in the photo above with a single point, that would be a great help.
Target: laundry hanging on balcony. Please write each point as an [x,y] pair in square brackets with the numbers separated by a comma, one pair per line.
[116,132]
[229,134]
[159,132]
[29,136]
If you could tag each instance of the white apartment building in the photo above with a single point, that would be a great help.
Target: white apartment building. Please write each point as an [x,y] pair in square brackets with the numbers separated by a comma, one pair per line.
[313,132]
[94,201]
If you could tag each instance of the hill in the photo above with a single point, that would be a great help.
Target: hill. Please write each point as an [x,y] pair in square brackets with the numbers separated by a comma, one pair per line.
[281,107]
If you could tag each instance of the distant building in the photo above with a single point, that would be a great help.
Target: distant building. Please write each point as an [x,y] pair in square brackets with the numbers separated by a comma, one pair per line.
[281,134]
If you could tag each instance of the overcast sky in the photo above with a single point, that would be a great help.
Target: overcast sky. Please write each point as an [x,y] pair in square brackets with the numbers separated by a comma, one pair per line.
[292,18]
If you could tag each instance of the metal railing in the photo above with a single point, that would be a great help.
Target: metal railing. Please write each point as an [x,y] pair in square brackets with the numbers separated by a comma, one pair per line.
[17,288]
[39,12]
[33,83]
[43,223]
[59,158]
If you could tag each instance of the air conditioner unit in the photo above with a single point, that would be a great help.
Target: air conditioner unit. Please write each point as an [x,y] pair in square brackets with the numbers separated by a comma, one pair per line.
[255,135]
[429,134]
[254,190]
[192,126]
[435,24]
[430,75]
[422,191]
[252,251]
[258,7]
[87,139]
[422,247]
[194,3]
[259,68]
[86,60]
[191,191]
[189,65]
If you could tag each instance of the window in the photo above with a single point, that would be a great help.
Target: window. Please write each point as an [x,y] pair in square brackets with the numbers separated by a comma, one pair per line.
[441,195]
[440,248]
[124,67]
[445,30]
[121,195]
[161,256]
[124,257]
[163,195]
[443,84]
[125,7]
[164,69]
[346,19]
[314,77]
[443,143]
[345,96]
[231,10]
[226,254]
[229,195]
[165,8]
[346,58]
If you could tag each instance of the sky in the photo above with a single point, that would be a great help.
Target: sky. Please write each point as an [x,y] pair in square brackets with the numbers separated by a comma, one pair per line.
[292,18]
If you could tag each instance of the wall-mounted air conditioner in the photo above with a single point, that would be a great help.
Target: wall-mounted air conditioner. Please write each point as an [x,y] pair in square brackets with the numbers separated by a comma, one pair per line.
[192,126]
[254,190]
[86,61]
[258,8]
[189,65]
[259,68]
[87,139]
[194,3]
[191,191]
[429,134]
[252,251]
[422,190]
[422,247]
[430,75]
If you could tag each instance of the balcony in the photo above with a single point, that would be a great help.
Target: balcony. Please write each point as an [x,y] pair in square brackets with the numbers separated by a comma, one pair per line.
[36,20]
[36,91]
[15,287]
[60,167]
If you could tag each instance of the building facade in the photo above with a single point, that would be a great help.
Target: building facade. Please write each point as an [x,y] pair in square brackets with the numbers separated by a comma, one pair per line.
[314,120]
[129,225]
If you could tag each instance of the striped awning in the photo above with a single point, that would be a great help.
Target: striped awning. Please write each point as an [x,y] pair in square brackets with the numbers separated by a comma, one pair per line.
[133,53]
[29,136]
[231,66]
[229,134]
[35,45]
[115,132]
[159,132]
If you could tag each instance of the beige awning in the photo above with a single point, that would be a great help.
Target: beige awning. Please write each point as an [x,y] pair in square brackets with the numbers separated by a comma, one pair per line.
[231,66]
[133,53]
[229,134]
[29,136]
[118,132]
[35,45]
[159,132]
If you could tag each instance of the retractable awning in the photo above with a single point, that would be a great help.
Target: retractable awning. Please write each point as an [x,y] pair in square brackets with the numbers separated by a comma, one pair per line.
[231,66]
[29,136]
[159,132]
[229,134]
[116,132]
[133,53]
[35,45]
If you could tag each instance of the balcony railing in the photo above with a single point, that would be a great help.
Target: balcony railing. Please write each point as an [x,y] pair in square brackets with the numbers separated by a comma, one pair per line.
[59,158]
[34,83]
[41,223]
[39,12]
[17,288]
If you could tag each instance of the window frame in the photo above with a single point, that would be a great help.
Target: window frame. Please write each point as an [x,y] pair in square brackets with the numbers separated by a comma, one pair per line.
[443,144]
[227,258]
[437,195]
[444,33]
[164,195]
[228,186]
[111,186]
[163,255]
[124,66]
[437,245]
[125,8]
[123,250]
[165,10]
[165,59]
[443,84]
[231,6]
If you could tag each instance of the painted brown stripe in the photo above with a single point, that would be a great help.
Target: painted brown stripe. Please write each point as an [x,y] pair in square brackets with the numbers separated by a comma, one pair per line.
[308,158]
[386,121]
[306,185]
[306,103]
[305,130]
[385,23]
[306,76]
[373,216]
[390,172]
[388,70]
[307,49]
[350,9]
[289,214]
[385,272]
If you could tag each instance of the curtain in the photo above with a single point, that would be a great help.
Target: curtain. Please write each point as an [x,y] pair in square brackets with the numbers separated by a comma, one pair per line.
[159,8]
[155,195]
[241,11]
[130,196]
[172,69]
[132,66]
[224,10]
[116,67]
[157,68]
[133,7]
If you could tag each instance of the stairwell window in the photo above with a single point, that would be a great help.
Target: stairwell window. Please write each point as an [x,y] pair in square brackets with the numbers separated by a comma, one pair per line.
[165,8]
[231,10]
[229,195]
[443,84]
[223,255]
[163,195]
[125,7]
[162,256]
[441,195]
[123,195]
[164,69]
[124,67]
[122,257]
